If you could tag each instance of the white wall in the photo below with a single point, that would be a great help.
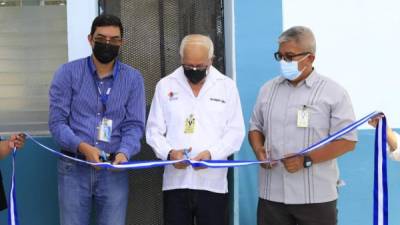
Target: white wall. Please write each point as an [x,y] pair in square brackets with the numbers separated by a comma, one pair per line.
[358,46]
[80,15]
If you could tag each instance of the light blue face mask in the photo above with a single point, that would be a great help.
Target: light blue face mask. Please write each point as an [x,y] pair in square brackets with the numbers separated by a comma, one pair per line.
[290,70]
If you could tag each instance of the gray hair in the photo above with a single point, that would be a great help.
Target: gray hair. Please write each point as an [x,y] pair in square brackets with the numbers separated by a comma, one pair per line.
[200,40]
[302,36]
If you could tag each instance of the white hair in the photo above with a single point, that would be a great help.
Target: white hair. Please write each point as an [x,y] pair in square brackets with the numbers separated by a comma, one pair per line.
[199,40]
[302,36]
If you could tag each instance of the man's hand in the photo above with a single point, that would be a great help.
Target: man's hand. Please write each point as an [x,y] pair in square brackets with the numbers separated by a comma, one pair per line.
[16,140]
[120,158]
[6,146]
[374,121]
[391,138]
[178,155]
[92,154]
[293,163]
[261,155]
[204,155]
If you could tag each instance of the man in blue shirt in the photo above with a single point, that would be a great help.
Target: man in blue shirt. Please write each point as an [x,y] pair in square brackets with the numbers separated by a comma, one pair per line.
[89,98]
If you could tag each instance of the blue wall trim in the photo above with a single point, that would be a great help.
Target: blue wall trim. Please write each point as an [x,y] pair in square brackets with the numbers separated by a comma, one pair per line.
[258,25]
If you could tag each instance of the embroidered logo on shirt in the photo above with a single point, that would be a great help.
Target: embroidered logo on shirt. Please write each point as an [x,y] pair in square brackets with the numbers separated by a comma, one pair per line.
[173,95]
[218,100]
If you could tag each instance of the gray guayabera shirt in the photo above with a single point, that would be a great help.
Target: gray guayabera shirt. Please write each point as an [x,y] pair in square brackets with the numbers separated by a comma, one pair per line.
[275,114]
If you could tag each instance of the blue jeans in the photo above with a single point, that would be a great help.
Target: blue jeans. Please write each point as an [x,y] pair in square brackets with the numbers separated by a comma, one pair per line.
[82,186]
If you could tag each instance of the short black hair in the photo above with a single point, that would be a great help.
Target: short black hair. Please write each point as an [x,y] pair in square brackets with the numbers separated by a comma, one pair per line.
[106,20]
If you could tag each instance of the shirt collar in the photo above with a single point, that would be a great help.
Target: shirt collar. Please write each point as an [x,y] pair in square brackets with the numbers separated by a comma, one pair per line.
[310,80]
[93,70]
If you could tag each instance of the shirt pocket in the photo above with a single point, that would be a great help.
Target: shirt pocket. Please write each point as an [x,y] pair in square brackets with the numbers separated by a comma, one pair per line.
[216,109]
[216,104]
[319,120]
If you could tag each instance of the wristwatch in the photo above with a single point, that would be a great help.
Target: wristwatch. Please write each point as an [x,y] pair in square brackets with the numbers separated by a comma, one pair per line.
[307,161]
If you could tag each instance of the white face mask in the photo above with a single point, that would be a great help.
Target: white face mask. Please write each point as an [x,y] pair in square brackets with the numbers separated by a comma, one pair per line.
[290,70]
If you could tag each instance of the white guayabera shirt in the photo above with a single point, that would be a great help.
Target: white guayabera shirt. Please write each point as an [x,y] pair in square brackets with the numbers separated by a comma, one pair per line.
[215,124]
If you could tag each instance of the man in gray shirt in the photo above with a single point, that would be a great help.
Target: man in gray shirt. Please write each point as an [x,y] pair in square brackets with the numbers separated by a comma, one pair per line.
[293,111]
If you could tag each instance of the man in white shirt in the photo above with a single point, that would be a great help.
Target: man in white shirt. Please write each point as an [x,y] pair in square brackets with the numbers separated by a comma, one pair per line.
[196,114]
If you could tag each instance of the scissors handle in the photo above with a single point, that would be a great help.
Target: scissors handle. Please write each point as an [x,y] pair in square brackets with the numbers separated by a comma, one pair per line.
[186,153]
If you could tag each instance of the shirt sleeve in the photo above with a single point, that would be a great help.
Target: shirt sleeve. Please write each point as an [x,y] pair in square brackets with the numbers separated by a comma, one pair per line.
[156,128]
[132,127]
[234,130]
[60,97]
[395,154]
[342,115]
[257,118]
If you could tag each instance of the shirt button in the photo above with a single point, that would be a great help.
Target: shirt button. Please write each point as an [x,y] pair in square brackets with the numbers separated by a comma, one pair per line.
[101,82]
[97,143]
[98,114]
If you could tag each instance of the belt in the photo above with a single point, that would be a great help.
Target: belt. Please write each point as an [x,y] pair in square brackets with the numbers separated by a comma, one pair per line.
[110,157]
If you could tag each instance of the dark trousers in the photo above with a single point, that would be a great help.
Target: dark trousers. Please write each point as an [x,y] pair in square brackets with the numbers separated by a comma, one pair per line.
[3,203]
[189,207]
[275,213]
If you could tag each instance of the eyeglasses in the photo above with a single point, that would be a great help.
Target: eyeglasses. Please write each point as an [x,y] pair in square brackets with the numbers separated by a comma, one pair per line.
[112,41]
[289,57]
[197,67]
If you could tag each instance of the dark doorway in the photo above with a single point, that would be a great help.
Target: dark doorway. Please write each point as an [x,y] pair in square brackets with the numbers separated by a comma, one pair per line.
[153,31]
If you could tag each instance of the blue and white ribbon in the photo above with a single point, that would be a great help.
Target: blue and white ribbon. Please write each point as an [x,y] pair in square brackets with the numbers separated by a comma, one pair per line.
[380,176]
[12,211]
[380,181]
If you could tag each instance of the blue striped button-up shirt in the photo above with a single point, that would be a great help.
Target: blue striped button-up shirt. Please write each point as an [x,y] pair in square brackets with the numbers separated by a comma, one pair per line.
[76,109]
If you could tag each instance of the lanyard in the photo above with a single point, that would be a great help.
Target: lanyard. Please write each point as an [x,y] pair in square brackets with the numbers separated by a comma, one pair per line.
[103,96]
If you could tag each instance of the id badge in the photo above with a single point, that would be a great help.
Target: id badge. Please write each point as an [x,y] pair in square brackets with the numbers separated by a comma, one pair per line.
[190,124]
[104,130]
[303,118]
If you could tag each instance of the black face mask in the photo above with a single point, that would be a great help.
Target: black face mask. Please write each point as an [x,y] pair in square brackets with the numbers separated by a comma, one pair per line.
[105,53]
[195,76]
